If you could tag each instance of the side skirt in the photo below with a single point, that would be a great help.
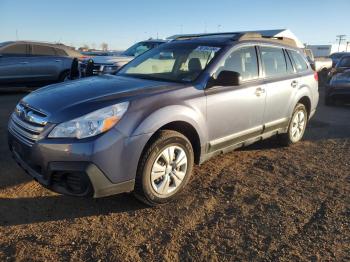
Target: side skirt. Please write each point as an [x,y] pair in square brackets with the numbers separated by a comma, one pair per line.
[233,142]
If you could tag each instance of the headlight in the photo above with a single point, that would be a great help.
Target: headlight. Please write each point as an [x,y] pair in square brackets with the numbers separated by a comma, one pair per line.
[91,124]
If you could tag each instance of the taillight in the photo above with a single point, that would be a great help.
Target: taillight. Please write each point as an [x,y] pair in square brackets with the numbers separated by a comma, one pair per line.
[316,76]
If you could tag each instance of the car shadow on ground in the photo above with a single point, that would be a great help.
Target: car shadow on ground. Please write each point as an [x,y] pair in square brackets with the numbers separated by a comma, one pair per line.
[316,131]
[21,211]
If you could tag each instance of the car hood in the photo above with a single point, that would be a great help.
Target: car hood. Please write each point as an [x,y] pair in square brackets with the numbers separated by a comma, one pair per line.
[112,59]
[65,101]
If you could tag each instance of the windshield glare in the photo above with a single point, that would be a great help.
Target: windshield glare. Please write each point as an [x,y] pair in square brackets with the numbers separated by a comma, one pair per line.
[174,62]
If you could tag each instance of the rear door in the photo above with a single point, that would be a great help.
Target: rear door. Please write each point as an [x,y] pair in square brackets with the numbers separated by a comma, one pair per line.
[45,63]
[281,84]
[14,64]
[235,113]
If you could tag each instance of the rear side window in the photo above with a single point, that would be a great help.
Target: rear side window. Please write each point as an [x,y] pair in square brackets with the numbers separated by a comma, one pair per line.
[243,61]
[15,50]
[273,61]
[43,50]
[299,61]
[60,52]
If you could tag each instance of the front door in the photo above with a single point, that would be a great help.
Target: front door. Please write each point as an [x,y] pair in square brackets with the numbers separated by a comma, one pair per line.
[235,113]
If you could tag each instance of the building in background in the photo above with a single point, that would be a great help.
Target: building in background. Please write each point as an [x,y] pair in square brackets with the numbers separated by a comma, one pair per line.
[326,50]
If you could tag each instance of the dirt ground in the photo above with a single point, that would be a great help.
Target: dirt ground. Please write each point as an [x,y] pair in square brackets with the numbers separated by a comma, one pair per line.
[260,203]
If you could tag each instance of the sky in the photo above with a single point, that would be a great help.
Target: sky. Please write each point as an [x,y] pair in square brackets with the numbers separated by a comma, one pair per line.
[122,23]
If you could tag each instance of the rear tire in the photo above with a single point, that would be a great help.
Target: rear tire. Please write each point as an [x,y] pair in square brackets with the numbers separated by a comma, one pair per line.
[297,126]
[165,168]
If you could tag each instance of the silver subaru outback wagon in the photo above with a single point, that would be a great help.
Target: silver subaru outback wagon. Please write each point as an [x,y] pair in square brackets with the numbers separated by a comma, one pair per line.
[143,128]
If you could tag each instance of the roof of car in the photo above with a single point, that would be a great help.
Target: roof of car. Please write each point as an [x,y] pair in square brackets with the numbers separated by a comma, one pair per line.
[69,50]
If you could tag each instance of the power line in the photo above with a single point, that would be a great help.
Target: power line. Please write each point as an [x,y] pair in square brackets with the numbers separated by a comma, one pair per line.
[340,38]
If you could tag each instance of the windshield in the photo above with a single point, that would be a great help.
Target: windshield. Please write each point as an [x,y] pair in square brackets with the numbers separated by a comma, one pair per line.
[139,48]
[177,62]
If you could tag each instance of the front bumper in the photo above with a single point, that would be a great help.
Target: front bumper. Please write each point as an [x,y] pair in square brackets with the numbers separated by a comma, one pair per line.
[94,167]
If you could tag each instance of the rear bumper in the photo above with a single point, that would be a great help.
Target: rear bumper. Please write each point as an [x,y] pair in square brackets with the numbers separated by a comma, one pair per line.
[336,91]
[72,169]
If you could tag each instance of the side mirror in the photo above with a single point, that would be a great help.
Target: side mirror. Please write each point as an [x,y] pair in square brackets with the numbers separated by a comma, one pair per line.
[227,78]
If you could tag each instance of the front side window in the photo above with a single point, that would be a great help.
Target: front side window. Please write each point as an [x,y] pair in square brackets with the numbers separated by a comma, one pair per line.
[273,61]
[243,61]
[16,50]
[299,61]
[43,50]
[178,62]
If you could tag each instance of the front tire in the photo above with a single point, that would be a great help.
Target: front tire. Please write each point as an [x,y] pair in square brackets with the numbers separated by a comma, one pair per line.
[297,126]
[164,169]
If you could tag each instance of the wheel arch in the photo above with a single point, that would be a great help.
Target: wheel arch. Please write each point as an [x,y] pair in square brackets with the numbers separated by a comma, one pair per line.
[182,119]
[306,101]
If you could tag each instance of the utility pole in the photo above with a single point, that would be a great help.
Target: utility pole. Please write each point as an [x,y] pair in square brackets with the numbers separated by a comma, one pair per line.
[340,38]
[347,44]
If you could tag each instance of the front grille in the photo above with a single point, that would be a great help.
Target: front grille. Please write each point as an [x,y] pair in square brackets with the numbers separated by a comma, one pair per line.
[27,124]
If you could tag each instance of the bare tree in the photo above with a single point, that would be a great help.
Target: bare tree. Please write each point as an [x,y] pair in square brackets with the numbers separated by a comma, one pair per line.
[104,46]
[85,47]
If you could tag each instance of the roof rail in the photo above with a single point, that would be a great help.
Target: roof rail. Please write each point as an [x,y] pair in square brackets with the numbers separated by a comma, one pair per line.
[190,36]
[259,36]
[240,36]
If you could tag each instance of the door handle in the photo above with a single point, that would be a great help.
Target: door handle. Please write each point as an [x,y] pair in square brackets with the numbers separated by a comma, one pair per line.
[58,60]
[294,84]
[23,63]
[259,91]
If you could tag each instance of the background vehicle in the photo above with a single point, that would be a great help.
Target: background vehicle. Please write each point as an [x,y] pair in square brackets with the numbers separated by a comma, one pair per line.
[184,102]
[339,84]
[318,63]
[336,57]
[24,62]
[109,64]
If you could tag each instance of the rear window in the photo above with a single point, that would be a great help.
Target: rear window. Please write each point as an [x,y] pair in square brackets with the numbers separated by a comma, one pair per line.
[273,61]
[43,50]
[344,62]
[299,61]
[16,49]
